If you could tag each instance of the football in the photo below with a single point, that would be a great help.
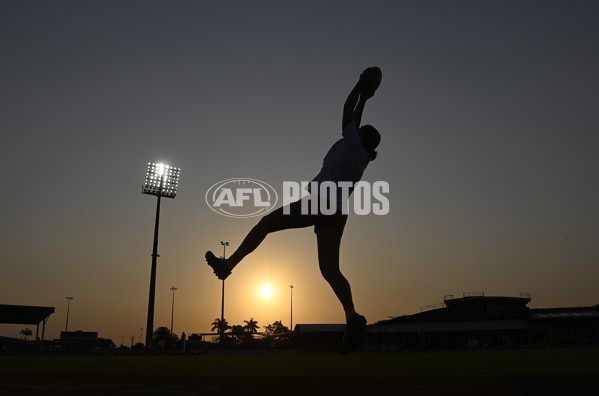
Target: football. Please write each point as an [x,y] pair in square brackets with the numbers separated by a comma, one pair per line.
[370,79]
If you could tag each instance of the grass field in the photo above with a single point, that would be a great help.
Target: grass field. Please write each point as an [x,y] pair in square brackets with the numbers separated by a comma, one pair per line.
[492,372]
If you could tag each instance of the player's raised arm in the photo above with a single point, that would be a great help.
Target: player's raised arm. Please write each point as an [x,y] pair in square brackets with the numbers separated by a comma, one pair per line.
[350,105]
[353,108]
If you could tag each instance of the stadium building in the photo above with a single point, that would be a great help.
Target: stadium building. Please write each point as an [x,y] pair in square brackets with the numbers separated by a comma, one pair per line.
[478,321]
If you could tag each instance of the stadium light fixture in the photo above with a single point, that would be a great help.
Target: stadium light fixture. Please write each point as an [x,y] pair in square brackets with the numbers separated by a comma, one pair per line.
[161,181]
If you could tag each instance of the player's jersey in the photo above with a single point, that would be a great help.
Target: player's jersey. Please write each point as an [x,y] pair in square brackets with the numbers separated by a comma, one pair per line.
[346,161]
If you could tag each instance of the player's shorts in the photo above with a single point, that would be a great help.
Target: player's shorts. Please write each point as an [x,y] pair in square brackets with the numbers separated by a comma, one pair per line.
[335,222]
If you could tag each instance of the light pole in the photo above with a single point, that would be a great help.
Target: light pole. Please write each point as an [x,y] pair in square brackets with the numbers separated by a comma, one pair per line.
[222,309]
[161,181]
[66,326]
[291,289]
[173,310]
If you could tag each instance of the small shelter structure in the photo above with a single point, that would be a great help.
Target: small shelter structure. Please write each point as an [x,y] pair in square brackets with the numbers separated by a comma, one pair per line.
[26,314]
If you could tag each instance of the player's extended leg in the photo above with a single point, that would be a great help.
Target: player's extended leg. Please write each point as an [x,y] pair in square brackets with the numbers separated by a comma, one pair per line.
[275,221]
[329,242]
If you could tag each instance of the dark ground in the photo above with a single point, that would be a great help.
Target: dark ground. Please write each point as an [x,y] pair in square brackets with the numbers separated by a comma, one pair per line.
[563,372]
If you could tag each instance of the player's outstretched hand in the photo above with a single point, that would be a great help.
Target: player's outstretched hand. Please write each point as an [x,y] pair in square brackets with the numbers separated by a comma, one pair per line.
[366,94]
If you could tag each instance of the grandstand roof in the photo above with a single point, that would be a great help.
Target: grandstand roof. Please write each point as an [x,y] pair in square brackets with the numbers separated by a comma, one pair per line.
[564,313]
[24,314]
[471,307]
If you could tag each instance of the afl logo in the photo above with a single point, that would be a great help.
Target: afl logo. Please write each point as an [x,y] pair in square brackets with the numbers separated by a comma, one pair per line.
[241,198]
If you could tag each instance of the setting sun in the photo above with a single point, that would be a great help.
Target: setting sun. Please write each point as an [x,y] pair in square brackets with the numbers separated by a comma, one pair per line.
[266,291]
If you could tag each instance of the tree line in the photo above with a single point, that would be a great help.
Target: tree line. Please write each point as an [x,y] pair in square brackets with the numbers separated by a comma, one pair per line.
[227,334]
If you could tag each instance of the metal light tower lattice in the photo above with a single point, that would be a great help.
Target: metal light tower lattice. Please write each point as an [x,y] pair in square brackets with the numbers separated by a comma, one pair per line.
[161,181]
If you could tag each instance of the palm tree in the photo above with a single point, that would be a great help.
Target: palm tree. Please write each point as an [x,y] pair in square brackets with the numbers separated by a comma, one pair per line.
[251,326]
[276,328]
[279,328]
[25,333]
[221,327]
[269,329]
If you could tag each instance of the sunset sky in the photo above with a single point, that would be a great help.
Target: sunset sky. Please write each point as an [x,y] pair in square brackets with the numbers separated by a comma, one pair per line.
[490,142]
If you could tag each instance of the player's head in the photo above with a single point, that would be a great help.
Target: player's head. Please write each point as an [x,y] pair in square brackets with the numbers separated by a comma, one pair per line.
[370,139]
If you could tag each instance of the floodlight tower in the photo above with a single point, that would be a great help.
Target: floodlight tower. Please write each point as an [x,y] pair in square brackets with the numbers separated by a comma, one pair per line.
[66,326]
[161,181]
[291,319]
[173,308]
